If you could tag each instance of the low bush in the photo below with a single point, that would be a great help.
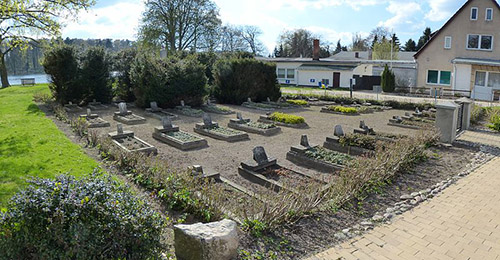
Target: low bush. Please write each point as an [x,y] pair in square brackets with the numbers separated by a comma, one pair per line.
[359,140]
[345,110]
[90,218]
[237,79]
[298,102]
[287,118]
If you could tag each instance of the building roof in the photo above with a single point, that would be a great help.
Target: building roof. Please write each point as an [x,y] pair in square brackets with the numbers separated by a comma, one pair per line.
[436,33]
[365,55]
[476,61]
[325,67]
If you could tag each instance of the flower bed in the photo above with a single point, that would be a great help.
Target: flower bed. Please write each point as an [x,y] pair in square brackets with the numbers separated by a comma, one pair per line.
[340,110]
[329,156]
[188,111]
[221,133]
[298,102]
[181,140]
[286,118]
[254,127]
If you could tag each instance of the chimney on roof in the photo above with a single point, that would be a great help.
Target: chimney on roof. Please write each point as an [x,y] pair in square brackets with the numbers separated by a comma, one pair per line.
[316,49]
[356,55]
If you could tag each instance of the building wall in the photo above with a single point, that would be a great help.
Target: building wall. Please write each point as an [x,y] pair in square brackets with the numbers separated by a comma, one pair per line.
[305,76]
[405,76]
[436,57]
[288,65]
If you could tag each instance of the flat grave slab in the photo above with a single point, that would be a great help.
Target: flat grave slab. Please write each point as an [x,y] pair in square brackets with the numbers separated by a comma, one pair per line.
[267,119]
[127,117]
[299,155]
[253,127]
[126,141]
[212,129]
[93,120]
[160,113]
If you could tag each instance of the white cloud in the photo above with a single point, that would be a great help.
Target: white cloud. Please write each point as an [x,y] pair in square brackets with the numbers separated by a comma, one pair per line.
[404,15]
[118,21]
[442,9]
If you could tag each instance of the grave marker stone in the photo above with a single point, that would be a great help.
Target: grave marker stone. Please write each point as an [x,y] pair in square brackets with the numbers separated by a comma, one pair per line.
[259,155]
[249,100]
[207,120]
[119,128]
[122,107]
[209,103]
[304,141]
[239,116]
[70,103]
[362,124]
[154,106]
[89,113]
[182,103]
[166,122]
[94,100]
[268,99]
[338,131]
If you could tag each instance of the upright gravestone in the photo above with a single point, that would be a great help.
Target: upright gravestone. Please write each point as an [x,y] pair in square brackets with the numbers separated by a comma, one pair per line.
[89,113]
[239,116]
[154,106]
[166,122]
[362,124]
[182,103]
[446,121]
[338,131]
[268,99]
[122,108]
[304,141]
[119,128]
[70,103]
[259,155]
[249,100]
[207,120]
[209,103]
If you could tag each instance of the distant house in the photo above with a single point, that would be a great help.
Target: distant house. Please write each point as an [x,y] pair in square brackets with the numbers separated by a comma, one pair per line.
[463,56]
[337,70]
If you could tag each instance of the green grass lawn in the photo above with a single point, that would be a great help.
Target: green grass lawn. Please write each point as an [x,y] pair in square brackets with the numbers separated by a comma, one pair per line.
[31,144]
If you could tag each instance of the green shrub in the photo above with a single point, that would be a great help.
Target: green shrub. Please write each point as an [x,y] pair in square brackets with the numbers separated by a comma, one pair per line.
[359,140]
[94,75]
[298,102]
[494,114]
[61,64]
[91,218]
[122,63]
[286,118]
[345,110]
[388,80]
[236,80]
[168,81]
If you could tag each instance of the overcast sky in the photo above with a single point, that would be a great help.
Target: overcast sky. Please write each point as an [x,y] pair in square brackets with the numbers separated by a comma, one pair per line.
[333,19]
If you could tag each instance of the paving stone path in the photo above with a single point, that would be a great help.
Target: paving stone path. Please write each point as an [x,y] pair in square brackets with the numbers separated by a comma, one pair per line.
[463,222]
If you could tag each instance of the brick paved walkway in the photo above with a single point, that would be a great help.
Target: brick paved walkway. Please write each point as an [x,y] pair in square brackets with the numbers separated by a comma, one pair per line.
[481,138]
[463,222]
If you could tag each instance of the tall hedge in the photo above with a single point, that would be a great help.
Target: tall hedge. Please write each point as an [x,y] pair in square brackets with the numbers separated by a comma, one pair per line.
[122,63]
[61,64]
[238,79]
[94,75]
[168,81]
[388,80]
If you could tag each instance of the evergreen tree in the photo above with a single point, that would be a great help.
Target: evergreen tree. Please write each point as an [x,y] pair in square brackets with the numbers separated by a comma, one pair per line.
[375,40]
[338,48]
[424,38]
[395,41]
[410,45]
[388,80]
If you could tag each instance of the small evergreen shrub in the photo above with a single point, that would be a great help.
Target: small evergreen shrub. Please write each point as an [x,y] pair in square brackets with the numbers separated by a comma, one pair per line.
[286,118]
[388,80]
[90,218]
[345,110]
[236,80]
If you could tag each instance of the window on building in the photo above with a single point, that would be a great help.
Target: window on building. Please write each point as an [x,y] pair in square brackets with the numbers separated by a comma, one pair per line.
[479,42]
[432,76]
[436,77]
[480,78]
[290,73]
[445,77]
[473,13]
[326,82]
[494,80]
[489,14]
[281,73]
[447,42]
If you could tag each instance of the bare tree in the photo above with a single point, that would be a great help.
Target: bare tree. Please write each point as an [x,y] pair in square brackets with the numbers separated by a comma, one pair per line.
[250,34]
[359,43]
[231,39]
[178,25]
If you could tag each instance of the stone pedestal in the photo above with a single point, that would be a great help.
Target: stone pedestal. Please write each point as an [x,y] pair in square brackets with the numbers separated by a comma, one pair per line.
[467,103]
[216,240]
[446,121]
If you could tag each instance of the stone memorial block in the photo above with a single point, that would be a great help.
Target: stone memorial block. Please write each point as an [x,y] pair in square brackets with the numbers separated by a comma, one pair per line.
[207,120]
[89,113]
[362,124]
[182,103]
[249,100]
[119,128]
[209,103]
[166,122]
[259,155]
[338,131]
[268,99]
[304,141]
[122,108]
[70,103]
[417,110]
[239,116]
[154,106]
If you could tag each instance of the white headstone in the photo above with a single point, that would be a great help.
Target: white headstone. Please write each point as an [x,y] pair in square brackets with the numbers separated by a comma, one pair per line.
[89,112]
[207,120]
[268,99]
[259,155]
[208,102]
[166,122]
[119,128]
[338,131]
[71,103]
[122,107]
[182,103]
[249,100]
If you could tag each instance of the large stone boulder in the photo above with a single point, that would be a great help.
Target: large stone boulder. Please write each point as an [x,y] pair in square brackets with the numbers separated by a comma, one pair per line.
[216,240]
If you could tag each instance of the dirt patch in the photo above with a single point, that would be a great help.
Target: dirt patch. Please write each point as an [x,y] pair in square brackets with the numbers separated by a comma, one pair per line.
[316,232]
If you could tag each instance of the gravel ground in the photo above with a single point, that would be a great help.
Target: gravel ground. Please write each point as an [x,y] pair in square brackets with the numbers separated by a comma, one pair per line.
[224,157]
